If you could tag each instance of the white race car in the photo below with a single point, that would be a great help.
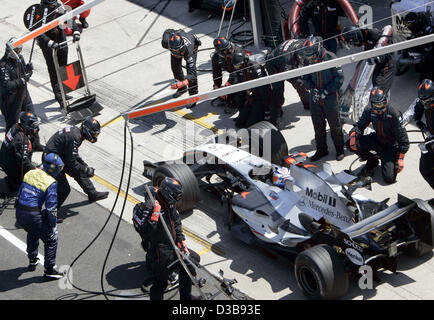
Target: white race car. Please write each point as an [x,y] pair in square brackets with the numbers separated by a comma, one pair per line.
[313,213]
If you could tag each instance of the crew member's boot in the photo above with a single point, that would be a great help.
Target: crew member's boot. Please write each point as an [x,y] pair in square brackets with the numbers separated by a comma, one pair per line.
[97,196]
[318,155]
[84,23]
[368,169]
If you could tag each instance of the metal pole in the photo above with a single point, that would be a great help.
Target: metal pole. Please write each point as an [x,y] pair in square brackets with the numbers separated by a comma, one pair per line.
[31,52]
[223,17]
[230,21]
[257,29]
[83,69]
[338,62]
[59,80]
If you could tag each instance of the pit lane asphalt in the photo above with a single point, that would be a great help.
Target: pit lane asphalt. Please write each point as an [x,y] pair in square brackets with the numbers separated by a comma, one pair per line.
[123,78]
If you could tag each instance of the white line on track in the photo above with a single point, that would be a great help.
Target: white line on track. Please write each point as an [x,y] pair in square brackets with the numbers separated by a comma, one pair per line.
[18,243]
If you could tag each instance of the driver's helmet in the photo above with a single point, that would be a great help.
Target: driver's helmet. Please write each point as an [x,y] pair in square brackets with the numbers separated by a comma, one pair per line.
[280,175]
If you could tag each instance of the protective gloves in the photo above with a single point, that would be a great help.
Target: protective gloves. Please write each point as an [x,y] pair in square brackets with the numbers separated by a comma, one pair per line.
[90,172]
[183,247]
[400,162]
[156,212]
[353,139]
[180,84]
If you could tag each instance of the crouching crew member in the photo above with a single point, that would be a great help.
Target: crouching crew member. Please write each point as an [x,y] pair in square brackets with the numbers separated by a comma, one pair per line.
[253,103]
[222,60]
[17,150]
[65,143]
[389,141]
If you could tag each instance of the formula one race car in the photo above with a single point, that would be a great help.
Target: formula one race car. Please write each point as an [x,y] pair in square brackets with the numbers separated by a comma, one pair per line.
[313,213]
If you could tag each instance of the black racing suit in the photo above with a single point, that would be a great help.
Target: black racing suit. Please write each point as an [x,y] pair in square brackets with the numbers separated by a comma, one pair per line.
[424,26]
[16,157]
[14,94]
[281,59]
[65,143]
[190,57]
[384,65]
[426,163]
[220,64]
[252,103]
[328,83]
[57,35]
[224,63]
[388,141]
[324,20]
[159,250]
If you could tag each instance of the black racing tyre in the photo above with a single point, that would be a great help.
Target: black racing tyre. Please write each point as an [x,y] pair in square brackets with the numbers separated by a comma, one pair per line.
[268,133]
[320,273]
[186,177]
[236,138]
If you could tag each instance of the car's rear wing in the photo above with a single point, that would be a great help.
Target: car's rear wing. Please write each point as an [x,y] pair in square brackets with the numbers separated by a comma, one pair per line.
[388,215]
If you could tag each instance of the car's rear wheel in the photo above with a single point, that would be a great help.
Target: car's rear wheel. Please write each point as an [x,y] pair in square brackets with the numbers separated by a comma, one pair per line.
[267,142]
[320,273]
[186,177]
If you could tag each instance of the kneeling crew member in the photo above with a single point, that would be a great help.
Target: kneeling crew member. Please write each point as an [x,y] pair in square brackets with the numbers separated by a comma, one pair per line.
[389,141]
[39,187]
[155,241]
[65,143]
[17,150]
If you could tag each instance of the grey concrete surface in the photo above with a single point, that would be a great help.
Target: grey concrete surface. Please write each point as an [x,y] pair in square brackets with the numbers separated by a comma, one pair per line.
[128,68]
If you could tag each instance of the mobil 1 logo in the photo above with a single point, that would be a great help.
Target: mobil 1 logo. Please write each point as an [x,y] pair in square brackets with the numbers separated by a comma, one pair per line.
[321,197]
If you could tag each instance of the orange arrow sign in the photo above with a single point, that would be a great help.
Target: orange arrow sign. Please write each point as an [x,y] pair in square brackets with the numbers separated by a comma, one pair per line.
[72,80]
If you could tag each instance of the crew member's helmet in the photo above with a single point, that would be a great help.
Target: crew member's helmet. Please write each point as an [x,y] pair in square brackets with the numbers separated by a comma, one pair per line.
[17,50]
[52,164]
[176,45]
[426,93]
[90,129]
[239,60]
[352,36]
[312,49]
[29,122]
[411,21]
[223,46]
[170,190]
[378,100]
